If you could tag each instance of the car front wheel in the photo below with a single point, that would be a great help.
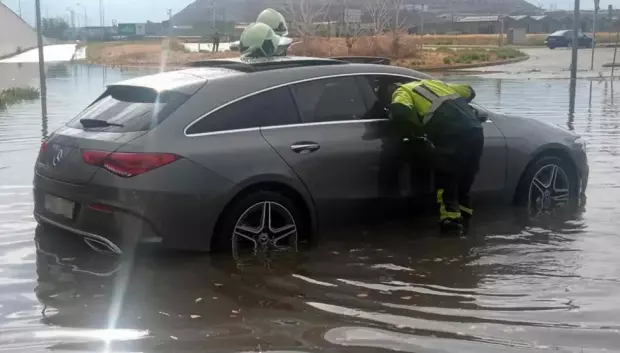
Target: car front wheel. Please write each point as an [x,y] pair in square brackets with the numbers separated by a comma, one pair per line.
[260,225]
[548,185]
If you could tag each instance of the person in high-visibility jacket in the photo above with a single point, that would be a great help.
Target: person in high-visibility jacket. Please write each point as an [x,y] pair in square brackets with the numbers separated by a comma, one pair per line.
[439,115]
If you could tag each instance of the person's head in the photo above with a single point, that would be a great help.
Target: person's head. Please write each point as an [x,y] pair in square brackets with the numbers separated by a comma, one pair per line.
[385,91]
[258,40]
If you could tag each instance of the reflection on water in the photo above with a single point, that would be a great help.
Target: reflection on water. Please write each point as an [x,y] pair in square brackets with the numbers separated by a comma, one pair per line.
[514,286]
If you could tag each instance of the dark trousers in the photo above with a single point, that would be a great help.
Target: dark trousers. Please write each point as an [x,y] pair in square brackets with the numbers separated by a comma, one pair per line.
[457,161]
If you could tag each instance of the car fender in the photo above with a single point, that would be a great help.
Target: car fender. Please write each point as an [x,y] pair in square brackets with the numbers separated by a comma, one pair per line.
[526,139]
[291,182]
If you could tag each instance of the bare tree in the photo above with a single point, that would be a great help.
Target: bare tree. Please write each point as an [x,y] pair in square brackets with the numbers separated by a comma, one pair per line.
[351,31]
[380,15]
[304,15]
[397,24]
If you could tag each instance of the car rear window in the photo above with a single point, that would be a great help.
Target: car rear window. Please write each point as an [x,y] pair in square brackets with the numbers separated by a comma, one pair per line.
[270,108]
[130,108]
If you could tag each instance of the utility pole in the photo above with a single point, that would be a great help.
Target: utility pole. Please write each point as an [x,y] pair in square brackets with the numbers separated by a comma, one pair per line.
[596,8]
[19,6]
[169,22]
[573,67]
[422,20]
[85,15]
[501,31]
[42,79]
[101,18]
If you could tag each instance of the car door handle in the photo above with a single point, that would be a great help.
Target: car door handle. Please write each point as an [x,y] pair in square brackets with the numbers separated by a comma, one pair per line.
[305,147]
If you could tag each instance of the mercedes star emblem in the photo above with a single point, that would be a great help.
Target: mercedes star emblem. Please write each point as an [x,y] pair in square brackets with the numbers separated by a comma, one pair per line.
[57,158]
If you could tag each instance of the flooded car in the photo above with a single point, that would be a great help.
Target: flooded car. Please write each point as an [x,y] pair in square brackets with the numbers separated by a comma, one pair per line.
[239,155]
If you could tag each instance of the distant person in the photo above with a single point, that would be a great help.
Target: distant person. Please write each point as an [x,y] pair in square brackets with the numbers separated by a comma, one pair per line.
[216,41]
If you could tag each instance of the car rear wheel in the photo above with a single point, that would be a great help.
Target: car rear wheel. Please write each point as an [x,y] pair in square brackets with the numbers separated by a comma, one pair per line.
[261,225]
[548,185]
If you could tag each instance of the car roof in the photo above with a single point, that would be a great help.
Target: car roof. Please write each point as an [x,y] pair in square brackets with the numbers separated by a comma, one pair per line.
[257,74]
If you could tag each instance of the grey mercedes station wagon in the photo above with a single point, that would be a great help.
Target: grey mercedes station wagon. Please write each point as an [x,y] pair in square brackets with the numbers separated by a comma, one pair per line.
[233,154]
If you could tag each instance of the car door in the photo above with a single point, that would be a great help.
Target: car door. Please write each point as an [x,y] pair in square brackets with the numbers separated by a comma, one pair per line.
[491,179]
[403,174]
[333,150]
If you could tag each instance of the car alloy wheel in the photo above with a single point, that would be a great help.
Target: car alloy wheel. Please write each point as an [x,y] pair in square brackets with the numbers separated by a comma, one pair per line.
[549,189]
[263,228]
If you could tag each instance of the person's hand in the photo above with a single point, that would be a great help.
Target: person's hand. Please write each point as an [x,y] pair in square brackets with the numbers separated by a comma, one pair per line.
[423,141]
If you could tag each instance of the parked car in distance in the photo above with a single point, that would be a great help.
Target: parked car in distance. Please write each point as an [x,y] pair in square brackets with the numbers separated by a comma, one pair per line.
[239,155]
[564,38]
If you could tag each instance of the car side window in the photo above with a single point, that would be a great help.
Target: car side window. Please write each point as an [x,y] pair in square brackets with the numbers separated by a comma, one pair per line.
[332,99]
[379,93]
[270,108]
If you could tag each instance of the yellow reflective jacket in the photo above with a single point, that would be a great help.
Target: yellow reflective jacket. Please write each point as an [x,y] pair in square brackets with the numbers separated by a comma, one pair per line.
[432,106]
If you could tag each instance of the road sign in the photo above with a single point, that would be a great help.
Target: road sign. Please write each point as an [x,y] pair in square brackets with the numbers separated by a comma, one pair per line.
[352,16]
[127,29]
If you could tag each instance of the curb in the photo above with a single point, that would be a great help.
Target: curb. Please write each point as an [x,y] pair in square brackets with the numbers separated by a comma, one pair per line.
[471,66]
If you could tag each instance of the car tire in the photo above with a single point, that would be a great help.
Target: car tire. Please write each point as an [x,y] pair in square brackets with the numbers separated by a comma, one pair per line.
[226,234]
[524,195]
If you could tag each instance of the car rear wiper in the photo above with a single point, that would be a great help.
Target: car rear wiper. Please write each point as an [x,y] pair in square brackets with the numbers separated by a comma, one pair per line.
[97,123]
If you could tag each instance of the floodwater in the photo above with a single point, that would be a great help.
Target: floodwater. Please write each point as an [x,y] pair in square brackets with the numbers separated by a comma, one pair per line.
[512,286]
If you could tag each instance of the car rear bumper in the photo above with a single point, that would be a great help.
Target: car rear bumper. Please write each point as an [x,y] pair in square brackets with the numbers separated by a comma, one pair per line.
[178,208]
[111,246]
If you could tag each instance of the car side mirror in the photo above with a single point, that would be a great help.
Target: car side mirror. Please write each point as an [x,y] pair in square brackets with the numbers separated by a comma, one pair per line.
[481,115]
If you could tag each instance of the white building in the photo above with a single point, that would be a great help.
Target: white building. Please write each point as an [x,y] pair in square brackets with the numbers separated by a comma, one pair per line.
[15,34]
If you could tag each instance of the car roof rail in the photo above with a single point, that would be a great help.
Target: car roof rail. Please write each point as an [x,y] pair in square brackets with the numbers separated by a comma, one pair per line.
[363,59]
[264,64]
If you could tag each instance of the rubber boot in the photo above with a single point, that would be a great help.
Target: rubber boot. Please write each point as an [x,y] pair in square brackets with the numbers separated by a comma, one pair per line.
[466,222]
[451,227]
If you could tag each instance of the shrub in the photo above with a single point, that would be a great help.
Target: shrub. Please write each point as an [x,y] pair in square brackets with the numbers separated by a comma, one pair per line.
[448,60]
[18,94]
[382,45]
[445,50]
[174,44]
[508,53]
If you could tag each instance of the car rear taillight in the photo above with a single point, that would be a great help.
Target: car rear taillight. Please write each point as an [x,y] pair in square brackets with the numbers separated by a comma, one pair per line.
[128,165]
[43,147]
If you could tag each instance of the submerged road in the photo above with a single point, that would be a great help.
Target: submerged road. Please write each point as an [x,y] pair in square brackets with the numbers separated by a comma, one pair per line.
[545,63]
[514,285]
[53,53]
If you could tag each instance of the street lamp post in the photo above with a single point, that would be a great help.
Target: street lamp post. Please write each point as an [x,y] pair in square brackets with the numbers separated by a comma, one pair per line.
[596,8]
[573,67]
[85,14]
[41,60]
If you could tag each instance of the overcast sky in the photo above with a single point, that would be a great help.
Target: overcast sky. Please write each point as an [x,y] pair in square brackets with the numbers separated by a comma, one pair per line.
[156,10]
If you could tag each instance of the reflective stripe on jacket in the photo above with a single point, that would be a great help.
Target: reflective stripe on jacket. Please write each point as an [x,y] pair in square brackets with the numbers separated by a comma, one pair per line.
[427,95]
[443,107]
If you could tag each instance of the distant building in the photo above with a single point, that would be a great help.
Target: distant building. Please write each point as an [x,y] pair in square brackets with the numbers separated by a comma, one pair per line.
[15,34]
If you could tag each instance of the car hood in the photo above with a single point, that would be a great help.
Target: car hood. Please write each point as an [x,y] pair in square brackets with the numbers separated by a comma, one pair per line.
[534,131]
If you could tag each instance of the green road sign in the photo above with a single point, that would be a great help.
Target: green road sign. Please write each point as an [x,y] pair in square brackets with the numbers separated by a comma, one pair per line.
[127,29]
